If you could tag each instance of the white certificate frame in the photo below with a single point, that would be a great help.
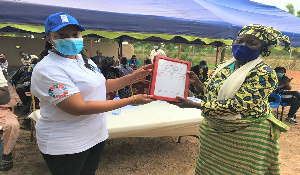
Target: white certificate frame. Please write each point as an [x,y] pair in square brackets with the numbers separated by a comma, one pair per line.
[169,78]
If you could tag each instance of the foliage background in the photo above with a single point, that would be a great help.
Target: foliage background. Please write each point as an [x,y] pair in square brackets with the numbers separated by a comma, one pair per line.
[197,53]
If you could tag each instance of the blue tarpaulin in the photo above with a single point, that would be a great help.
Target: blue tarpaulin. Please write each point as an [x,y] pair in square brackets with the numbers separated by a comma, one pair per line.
[205,20]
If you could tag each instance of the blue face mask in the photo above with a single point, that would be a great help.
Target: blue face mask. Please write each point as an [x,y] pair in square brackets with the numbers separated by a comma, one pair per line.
[279,75]
[244,53]
[155,47]
[69,46]
[32,65]
[203,66]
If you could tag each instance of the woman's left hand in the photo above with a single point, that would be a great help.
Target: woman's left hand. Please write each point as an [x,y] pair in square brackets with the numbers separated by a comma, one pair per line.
[143,71]
[193,77]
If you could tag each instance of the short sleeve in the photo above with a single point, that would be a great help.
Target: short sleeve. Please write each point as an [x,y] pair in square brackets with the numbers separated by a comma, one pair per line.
[52,84]
[3,81]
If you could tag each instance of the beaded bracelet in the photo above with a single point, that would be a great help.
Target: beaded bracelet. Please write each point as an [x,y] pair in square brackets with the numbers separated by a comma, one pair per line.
[135,100]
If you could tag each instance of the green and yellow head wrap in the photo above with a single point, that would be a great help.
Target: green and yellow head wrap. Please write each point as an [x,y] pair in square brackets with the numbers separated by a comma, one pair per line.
[269,37]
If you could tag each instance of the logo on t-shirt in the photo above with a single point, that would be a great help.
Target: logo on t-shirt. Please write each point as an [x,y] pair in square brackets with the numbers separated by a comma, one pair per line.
[58,91]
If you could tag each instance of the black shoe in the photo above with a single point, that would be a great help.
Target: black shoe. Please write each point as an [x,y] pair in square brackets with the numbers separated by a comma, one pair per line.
[288,119]
[292,120]
[6,165]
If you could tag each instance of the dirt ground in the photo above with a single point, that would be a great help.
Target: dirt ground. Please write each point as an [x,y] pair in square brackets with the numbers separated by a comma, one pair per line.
[159,156]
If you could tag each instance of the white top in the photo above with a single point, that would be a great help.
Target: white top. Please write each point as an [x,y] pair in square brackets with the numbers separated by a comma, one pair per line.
[54,79]
[154,53]
[3,81]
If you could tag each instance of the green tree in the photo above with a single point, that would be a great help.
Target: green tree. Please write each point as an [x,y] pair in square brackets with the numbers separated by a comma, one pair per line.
[290,8]
[298,13]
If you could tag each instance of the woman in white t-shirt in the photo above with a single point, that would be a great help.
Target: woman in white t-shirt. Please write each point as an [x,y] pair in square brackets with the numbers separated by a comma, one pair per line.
[72,93]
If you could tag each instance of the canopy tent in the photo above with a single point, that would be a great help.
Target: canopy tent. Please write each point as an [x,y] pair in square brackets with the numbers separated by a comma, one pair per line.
[188,21]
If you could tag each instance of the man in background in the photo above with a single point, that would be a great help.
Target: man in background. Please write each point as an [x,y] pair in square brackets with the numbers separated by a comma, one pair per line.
[96,59]
[133,62]
[4,92]
[4,65]
[156,51]
[124,66]
[22,80]
[26,59]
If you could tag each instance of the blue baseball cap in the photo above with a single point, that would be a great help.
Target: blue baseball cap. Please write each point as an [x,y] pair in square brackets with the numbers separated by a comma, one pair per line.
[59,20]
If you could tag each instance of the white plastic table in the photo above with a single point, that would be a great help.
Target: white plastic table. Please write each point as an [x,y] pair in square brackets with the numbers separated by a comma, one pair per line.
[155,119]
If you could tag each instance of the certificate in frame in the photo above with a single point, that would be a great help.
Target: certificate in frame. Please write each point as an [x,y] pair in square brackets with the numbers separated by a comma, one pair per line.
[169,78]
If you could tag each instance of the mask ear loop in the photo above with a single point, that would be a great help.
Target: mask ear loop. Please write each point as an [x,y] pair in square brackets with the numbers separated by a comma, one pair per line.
[53,45]
[233,41]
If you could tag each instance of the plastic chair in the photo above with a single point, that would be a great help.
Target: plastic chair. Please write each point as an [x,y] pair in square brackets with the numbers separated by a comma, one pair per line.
[35,106]
[277,101]
[140,87]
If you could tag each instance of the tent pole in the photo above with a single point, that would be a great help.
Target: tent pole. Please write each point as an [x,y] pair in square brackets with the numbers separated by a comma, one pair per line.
[120,54]
[179,50]
[217,55]
[91,48]
[223,53]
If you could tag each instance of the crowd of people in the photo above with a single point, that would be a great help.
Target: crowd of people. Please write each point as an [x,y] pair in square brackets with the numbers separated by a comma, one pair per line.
[72,87]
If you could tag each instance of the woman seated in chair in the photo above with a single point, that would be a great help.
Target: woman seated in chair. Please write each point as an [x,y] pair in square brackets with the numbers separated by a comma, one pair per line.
[290,97]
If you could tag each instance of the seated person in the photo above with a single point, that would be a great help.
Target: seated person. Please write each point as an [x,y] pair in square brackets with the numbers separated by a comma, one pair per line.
[4,92]
[124,66]
[4,65]
[133,62]
[110,72]
[117,63]
[290,97]
[26,59]
[201,71]
[11,129]
[21,80]
[96,59]
[147,61]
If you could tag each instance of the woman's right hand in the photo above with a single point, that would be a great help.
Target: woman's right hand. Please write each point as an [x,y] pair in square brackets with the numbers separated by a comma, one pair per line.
[141,99]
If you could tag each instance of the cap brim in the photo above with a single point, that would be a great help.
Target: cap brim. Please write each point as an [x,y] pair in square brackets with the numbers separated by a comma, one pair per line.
[55,29]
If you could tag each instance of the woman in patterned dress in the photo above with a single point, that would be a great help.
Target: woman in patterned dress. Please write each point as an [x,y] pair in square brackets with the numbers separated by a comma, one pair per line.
[239,134]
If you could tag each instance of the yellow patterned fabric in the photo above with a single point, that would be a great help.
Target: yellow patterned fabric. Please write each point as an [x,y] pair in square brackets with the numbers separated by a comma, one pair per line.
[268,35]
[251,100]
